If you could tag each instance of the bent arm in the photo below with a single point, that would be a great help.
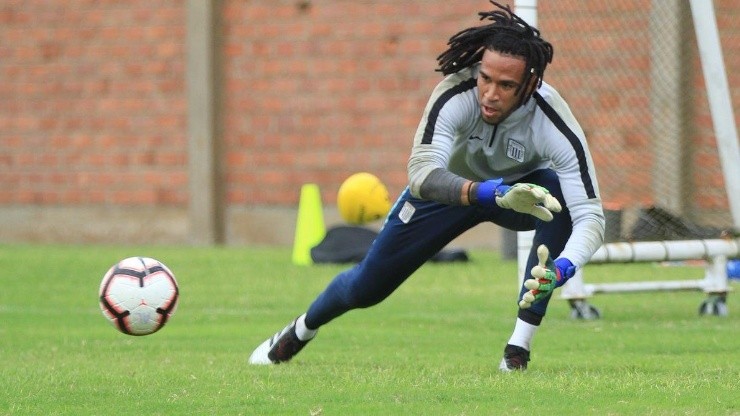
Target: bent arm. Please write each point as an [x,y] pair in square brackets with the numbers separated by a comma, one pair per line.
[444,186]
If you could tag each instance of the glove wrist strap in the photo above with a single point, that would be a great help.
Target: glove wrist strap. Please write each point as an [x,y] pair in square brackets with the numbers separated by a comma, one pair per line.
[485,192]
[566,269]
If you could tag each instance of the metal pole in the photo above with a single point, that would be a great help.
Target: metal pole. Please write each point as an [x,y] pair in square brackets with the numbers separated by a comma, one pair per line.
[720,103]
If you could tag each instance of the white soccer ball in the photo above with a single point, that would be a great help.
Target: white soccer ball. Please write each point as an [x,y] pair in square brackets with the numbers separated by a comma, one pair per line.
[138,295]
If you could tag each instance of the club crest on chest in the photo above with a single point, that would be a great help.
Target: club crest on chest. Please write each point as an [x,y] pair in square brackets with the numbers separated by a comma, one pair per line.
[515,150]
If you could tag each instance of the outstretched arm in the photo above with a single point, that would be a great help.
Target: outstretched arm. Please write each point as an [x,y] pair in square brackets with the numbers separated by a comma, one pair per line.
[446,187]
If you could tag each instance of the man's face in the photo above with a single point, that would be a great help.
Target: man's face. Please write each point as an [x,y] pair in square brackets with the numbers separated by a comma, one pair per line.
[499,78]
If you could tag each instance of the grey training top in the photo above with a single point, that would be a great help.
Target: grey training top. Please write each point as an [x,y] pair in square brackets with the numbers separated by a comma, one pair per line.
[541,134]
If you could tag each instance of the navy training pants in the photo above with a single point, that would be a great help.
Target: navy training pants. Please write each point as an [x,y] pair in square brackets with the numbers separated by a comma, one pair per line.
[415,230]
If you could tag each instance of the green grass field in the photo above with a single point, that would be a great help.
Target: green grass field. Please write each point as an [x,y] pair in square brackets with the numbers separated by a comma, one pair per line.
[432,348]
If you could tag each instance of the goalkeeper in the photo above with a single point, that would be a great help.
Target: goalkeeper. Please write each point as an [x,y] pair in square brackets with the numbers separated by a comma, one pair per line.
[495,144]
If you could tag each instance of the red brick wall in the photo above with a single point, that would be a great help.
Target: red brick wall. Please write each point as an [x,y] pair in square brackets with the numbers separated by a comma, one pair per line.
[93,103]
[317,92]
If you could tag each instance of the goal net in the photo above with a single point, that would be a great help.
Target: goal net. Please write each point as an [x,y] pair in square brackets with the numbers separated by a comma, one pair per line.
[656,107]
[632,74]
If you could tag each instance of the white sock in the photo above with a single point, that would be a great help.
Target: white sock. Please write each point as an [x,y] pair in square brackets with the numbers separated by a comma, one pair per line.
[523,333]
[303,333]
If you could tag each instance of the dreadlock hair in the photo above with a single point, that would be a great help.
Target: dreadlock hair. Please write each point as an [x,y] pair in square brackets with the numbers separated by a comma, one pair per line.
[508,34]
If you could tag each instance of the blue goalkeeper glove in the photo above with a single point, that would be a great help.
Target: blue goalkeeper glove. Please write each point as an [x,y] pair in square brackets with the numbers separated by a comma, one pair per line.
[521,197]
[548,275]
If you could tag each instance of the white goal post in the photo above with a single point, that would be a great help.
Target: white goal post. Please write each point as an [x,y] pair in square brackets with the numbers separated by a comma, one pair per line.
[720,102]
[715,251]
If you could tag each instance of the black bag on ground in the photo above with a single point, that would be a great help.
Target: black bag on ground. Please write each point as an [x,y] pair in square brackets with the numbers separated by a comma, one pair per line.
[349,244]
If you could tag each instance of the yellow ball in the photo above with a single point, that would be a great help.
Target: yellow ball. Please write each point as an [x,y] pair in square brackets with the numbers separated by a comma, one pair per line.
[363,198]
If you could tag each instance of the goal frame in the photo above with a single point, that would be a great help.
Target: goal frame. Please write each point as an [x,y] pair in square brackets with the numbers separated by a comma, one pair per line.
[715,252]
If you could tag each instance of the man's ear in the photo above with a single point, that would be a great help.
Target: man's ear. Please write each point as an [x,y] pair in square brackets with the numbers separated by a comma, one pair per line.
[532,83]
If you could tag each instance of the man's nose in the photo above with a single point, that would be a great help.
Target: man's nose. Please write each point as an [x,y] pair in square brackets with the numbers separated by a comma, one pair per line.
[491,93]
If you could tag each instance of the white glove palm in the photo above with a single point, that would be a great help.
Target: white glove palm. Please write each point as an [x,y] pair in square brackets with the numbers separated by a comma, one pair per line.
[530,199]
